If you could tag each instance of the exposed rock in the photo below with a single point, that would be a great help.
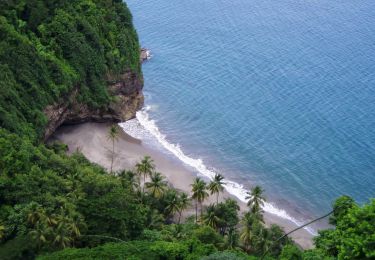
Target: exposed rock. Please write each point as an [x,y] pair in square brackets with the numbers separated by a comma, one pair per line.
[127,98]
[145,54]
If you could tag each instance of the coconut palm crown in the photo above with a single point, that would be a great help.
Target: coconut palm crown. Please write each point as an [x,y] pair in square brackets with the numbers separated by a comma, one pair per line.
[216,186]
[145,168]
[157,185]
[210,218]
[199,194]
[255,199]
[183,203]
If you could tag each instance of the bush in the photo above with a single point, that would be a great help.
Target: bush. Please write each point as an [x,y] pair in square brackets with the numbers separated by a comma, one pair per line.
[207,235]
[49,48]
[136,250]
[291,252]
[228,255]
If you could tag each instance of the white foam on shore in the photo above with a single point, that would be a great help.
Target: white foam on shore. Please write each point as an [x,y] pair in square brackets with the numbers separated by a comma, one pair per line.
[149,127]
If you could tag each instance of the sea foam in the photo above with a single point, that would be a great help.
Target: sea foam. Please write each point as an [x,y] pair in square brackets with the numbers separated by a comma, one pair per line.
[142,127]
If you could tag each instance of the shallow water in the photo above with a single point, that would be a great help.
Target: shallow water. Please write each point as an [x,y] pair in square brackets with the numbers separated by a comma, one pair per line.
[275,93]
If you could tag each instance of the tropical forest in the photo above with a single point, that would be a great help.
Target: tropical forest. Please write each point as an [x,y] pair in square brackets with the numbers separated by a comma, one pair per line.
[56,204]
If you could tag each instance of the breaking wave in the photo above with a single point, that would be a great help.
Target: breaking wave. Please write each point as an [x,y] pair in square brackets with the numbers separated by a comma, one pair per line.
[145,128]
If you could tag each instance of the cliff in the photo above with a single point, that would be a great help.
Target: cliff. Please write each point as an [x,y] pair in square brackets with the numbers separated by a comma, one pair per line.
[126,98]
[58,61]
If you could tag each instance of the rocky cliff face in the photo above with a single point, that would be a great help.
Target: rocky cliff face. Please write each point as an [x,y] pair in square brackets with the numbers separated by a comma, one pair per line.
[127,98]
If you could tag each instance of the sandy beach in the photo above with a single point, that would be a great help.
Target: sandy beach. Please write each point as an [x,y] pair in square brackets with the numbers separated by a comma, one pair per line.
[91,139]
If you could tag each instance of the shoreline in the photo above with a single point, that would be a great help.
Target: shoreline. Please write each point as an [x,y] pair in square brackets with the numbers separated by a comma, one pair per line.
[91,140]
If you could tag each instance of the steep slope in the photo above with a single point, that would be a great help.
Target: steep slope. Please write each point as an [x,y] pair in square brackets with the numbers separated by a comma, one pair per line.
[63,61]
[66,62]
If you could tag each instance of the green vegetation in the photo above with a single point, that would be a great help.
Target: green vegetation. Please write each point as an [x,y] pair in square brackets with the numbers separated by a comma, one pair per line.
[216,186]
[199,194]
[113,134]
[145,168]
[255,200]
[49,48]
[157,186]
[55,206]
[354,235]
[52,202]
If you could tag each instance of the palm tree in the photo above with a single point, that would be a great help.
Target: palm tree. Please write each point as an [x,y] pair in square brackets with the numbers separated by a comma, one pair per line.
[199,194]
[62,235]
[155,220]
[216,186]
[129,178]
[232,238]
[75,196]
[35,214]
[210,218]
[74,178]
[76,224]
[40,233]
[262,241]
[183,203]
[172,203]
[157,185]
[176,231]
[113,133]
[145,168]
[246,235]
[255,199]
[2,232]
[50,220]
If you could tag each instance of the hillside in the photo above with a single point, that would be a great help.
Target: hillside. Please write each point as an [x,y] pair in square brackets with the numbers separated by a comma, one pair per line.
[72,61]
[66,61]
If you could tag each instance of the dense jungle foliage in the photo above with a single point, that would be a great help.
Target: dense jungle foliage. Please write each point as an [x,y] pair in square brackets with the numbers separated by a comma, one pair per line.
[55,206]
[47,48]
[51,201]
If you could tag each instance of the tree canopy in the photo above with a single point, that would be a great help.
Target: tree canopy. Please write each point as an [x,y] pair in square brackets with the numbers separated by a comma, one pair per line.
[59,206]
[49,48]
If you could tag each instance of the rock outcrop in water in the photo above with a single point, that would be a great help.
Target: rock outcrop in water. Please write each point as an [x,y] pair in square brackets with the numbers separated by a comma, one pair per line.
[145,54]
[127,98]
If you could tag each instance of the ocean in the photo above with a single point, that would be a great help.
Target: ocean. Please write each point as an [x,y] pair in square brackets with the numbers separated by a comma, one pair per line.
[273,93]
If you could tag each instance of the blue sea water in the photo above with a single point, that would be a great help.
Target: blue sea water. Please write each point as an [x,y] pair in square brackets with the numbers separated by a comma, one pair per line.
[275,93]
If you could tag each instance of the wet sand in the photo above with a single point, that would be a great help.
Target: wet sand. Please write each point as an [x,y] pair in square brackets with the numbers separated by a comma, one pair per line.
[91,139]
